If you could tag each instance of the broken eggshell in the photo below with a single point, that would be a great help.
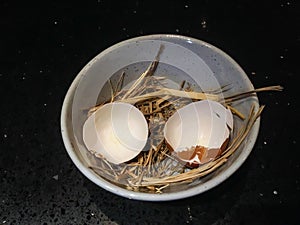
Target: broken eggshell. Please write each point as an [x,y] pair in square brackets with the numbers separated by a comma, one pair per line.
[116,131]
[199,132]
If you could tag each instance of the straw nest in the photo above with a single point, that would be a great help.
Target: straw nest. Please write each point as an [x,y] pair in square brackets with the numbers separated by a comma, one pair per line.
[156,169]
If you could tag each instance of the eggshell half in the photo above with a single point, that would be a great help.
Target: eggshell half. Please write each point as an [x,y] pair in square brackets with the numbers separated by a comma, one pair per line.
[204,125]
[116,131]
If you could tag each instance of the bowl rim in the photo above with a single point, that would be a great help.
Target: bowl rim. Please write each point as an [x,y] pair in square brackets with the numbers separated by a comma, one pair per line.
[66,133]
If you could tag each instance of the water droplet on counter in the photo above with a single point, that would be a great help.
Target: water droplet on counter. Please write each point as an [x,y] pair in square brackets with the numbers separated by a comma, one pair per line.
[190,216]
[203,24]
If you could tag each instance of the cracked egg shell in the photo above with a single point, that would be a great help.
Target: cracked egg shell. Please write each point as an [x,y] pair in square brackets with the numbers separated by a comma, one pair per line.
[116,131]
[199,131]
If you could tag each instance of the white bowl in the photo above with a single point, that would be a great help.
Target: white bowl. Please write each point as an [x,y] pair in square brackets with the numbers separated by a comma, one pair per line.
[201,63]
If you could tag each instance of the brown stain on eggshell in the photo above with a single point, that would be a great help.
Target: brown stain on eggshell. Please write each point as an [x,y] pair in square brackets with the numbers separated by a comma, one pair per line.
[198,155]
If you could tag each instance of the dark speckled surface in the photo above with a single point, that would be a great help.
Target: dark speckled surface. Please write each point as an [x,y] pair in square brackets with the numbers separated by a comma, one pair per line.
[44,45]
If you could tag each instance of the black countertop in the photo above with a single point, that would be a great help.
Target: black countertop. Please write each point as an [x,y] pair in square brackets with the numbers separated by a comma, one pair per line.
[44,45]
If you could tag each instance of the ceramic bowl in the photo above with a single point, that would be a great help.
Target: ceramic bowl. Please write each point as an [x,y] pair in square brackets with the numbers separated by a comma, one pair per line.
[182,58]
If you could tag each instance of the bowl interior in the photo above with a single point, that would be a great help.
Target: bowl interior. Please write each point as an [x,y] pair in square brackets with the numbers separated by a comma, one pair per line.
[206,67]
